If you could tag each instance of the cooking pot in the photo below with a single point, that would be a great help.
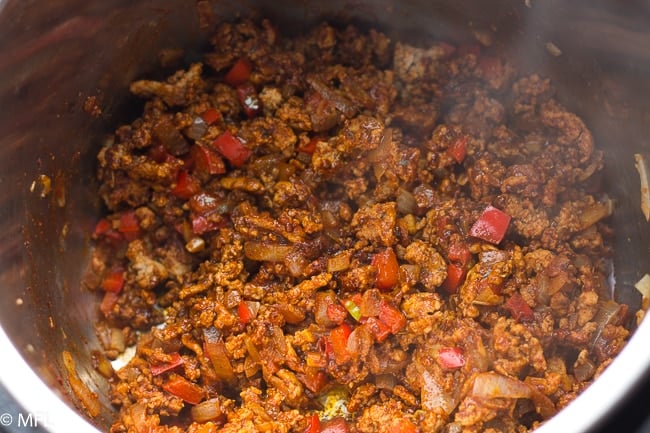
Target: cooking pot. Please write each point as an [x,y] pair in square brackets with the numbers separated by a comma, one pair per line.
[65,66]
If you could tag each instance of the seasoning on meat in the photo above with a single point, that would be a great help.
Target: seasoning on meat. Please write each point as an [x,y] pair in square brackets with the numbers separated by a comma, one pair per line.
[340,232]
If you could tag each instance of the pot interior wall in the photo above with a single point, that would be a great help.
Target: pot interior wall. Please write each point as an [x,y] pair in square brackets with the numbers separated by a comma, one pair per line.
[55,55]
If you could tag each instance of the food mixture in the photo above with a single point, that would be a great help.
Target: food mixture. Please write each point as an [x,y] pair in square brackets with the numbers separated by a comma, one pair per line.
[339,232]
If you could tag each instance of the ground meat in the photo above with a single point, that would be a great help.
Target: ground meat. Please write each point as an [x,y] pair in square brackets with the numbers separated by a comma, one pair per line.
[433,269]
[341,229]
[376,223]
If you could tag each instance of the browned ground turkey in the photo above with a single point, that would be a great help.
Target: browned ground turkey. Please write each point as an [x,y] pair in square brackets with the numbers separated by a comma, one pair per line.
[293,220]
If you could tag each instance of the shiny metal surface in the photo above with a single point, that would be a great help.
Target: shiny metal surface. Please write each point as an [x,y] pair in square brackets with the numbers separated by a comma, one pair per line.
[55,54]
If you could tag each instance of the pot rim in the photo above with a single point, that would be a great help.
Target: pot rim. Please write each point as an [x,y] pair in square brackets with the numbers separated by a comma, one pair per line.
[583,414]
[609,391]
[35,399]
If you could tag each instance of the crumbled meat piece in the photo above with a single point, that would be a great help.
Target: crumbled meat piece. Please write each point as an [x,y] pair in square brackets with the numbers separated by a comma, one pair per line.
[412,63]
[181,89]
[433,269]
[376,223]
[148,271]
[317,255]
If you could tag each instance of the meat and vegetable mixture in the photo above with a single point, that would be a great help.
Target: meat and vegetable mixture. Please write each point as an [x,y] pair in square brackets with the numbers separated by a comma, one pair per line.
[339,232]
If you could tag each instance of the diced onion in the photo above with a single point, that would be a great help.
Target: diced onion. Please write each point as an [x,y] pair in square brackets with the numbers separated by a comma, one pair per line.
[253,307]
[370,302]
[493,385]
[557,282]
[197,129]
[296,262]
[138,414]
[339,262]
[195,244]
[215,349]
[543,404]
[385,381]
[359,342]
[208,410]
[329,219]
[596,212]
[487,297]
[643,286]
[117,340]
[406,203]
[343,104]
[610,312]
[379,153]
[584,370]
[165,131]
[640,164]
[321,301]
[252,350]
[433,397]
[291,313]
[266,252]
[102,364]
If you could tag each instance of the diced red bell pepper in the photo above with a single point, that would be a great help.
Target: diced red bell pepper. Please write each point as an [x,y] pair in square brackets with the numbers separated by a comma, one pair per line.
[245,314]
[207,161]
[159,153]
[458,148]
[325,346]
[129,225]
[314,424]
[249,99]
[239,73]
[339,340]
[108,303]
[310,147]
[469,48]
[334,425]
[391,316]
[102,227]
[402,425]
[104,230]
[184,389]
[232,149]
[186,185]
[518,308]
[387,269]
[447,48]
[459,253]
[175,361]
[201,224]
[491,225]
[451,357]
[336,313]
[114,281]
[455,276]
[314,379]
[377,328]
[210,116]
[491,67]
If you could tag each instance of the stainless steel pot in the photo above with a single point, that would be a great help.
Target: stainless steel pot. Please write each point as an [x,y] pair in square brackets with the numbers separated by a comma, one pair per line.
[54,55]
